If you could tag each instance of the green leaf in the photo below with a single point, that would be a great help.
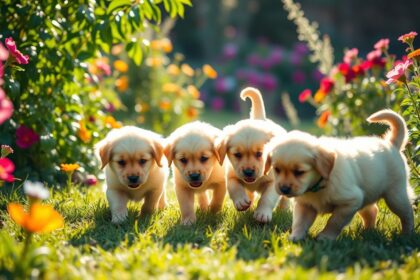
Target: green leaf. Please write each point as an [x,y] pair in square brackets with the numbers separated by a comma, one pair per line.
[117,4]
[135,52]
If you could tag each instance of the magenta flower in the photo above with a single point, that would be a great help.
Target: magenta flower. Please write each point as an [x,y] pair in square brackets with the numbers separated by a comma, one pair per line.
[298,77]
[296,58]
[305,95]
[6,107]
[220,85]
[26,137]
[91,180]
[17,55]
[382,44]
[217,104]
[398,73]
[350,55]
[229,51]
[268,82]
[6,169]
[276,55]
[408,38]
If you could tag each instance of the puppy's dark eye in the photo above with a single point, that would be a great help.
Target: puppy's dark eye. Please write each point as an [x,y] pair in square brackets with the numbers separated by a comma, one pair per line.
[183,160]
[277,170]
[238,155]
[121,163]
[258,154]
[203,159]
[298,172]
[142,161]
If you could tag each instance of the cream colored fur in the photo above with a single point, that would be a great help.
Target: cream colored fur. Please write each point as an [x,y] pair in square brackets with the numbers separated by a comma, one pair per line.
[192,150]
[356,173]
[141,152]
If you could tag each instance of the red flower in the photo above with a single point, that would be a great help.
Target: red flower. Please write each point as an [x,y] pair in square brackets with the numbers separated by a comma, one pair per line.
[304,95]
[382,44]
[376,59]
[26,137]
[398,73]
[346,71]
[19,57]
[358,70]
[6,169]
[408,38]
[326,85]
[6,107]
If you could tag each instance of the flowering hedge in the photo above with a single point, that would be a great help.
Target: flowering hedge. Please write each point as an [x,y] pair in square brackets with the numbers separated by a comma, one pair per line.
[48,81]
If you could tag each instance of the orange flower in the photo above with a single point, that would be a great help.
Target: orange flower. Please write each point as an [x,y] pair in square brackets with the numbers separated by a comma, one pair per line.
[187,70]
[192,113]
[69,167]
[110,121]
[121,66]
[41,218]
[415,53]
[173,70]
[84,134]
[209,71]
[319,96]
[166,45]
[323,119]
[154,62]
[195,93]
[165,105]
[170,87]
[122,83]
[155,45]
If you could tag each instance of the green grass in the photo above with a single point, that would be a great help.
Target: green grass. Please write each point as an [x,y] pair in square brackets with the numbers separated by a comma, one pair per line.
[229,245]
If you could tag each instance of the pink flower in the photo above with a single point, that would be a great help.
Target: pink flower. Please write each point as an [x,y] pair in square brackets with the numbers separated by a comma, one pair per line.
[298,77]
[304,95]
[408,38]
[326,85]
[398,73]
[375,57]
[6,107]
[104,67]
[26,137]
[6,150]
[6,169]
[4,54]
[350,55]
[91,180]
[18,56]
[382,44]
[229,51]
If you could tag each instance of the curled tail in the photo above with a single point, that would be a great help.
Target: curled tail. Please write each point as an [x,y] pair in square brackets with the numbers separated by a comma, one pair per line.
[398,134]
[257,107]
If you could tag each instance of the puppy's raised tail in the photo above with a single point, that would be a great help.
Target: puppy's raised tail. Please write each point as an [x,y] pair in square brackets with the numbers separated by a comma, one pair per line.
[257,107]
[398,134]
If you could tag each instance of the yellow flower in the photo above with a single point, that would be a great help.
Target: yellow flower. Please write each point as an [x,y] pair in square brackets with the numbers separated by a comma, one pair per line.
[121,66]
[84,134]
[415,53]
[209,71]
[170,87]
[319,96]
[110,121]
[40,218]
[166,45]
[195,93]
[122,83]
[173,70]
[154,62]
[192,112]
[69,167]
[187,70]
[165,105]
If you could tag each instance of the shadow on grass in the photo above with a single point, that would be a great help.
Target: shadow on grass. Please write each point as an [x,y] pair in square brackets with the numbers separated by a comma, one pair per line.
[109,236]
[368,248]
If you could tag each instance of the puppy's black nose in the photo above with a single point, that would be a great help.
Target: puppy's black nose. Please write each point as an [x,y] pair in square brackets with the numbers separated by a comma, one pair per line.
[285,189]
[249,172]
[133,179]
[195,176]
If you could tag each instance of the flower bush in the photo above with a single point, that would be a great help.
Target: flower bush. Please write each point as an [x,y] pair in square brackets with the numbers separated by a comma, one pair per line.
[52,57]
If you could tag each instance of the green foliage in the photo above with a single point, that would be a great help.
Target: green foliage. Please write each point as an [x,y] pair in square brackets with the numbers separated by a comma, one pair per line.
[52,95]
[228,245]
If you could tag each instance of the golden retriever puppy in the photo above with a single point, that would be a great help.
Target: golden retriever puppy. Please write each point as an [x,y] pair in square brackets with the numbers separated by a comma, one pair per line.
[243,143]
[343,176]
[132,157]
[197,168]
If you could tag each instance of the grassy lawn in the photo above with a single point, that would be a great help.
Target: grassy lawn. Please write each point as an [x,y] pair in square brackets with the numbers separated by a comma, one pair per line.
[229,245]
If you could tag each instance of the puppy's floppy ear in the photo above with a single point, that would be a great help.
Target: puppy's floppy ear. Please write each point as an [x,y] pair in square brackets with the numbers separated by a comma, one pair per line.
[157,152]
[167,151]
[267,164]
[324,161]
[103,149]
[221,148]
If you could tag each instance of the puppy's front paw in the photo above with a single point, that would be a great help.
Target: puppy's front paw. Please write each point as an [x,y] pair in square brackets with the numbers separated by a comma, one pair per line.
[263,215]
[119,217]
[242,203]
[187,221]
[326,236]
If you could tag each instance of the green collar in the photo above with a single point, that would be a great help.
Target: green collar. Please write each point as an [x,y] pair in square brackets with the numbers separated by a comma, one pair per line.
[316,187]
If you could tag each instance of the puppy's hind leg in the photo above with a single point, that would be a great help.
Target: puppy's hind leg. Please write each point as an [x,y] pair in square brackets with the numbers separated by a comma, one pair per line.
[284,203]
[398,201]
[368,215]
[151,201]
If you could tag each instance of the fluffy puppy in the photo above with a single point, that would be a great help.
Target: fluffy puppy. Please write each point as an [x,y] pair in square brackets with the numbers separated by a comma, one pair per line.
[132,157]
[243,143]
[197,168]
[343,176]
